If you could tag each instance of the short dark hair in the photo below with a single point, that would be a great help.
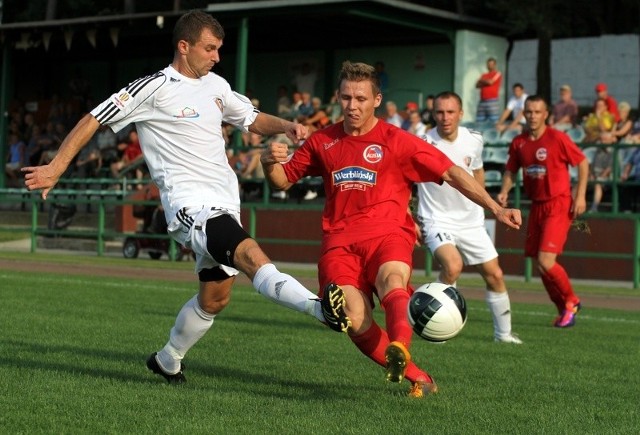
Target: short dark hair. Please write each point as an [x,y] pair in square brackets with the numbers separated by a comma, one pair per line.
[189,27]
[536,97]
[358,72]
[518,85]
[448,94]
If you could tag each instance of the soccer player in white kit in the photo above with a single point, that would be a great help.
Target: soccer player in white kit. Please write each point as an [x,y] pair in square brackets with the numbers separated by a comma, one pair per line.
[451,225]
[179,113]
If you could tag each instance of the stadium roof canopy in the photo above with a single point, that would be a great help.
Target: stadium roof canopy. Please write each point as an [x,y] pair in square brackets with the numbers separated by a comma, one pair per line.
[271,25]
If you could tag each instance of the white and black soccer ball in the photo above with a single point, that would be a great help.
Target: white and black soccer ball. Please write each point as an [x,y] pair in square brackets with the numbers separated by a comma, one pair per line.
[437,312]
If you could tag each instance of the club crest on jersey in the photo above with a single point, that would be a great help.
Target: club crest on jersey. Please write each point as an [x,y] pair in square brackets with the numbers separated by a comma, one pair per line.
[187,112]
[354,177]
[121,99]
[372,153]
[541,154]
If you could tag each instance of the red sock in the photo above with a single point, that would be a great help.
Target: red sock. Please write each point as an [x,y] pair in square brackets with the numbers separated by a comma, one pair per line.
[373,342]
[553,292]
[395,306]
[560,279]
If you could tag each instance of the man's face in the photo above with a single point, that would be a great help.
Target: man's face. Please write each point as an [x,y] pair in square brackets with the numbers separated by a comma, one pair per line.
[518,91]
[491,65]
[448,114]
[536,114]
[358,103]
[203,55]
[565,94]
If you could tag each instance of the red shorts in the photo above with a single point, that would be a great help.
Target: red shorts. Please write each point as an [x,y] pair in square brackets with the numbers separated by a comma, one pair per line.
[548,226]
[358,264]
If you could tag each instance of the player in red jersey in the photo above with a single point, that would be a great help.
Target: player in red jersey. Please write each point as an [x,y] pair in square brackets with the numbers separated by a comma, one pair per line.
[544,155]
[368,167]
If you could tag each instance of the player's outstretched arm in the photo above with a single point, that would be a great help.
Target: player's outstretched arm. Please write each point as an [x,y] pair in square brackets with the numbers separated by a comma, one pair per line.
[269,125]
[459,179]
[46,176]
[271,159]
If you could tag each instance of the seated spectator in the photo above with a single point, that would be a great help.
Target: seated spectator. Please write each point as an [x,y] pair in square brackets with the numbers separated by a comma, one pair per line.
[56,133]
[333,109]
[392,115]
[107,143]
[565,112]
[602,93]
[514,111]
[283,104]
[16,159]
[35,145]
[427,113]
[89,160]
[305,110]
[630,172]
[409,109]
[622,128]
[598,122]
[251,167]
[600,170]
[132,152]
[296,102]
[319,119]
[416,126]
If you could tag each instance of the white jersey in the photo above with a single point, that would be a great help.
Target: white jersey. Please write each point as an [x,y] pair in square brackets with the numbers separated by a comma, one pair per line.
[443,204]
[179,123]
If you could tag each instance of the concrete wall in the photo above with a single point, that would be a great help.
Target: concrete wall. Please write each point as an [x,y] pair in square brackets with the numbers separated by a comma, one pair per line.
[472,51]
[581,63]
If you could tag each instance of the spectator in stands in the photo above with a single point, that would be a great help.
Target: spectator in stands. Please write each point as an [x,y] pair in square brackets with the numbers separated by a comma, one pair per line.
[410,108]
[630,172]
[565,111]
[34,146]
[602,92]
[305,110]
[598,122]
[283,104]
[513,111]
[132,153]
[27,127]
[416,125]
[305,79]
[107,143]
[622,128]
[383,76]
[16,159]
[89,160]
[393,117]
[489,85]
[57,134]
[319,119]
[600,171]
[296,102]
[250,159]
[427,113]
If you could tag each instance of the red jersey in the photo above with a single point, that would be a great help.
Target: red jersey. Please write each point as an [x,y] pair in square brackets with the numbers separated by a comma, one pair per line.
[545,163]
[492,91]
[367,179]
[133,151]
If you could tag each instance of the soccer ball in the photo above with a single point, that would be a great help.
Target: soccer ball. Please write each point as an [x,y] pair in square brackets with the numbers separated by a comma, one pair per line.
[437,312]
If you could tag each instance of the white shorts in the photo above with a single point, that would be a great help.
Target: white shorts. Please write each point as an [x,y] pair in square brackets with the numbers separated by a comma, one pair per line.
[473,243]
[189,229]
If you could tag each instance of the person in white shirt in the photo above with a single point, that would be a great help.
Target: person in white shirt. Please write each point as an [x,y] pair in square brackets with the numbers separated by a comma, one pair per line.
[515,110]
[178,113]
[392,116]
[451,225]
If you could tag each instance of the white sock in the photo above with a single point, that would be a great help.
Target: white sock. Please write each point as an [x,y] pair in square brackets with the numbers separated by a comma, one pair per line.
[285,290]
[500,308]
[191,324]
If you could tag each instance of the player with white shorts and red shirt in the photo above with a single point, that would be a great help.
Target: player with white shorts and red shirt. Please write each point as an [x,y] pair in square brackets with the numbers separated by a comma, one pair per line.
[451,225]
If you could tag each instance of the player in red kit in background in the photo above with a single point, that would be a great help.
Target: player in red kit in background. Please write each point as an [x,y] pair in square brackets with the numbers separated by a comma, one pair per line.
[544,154]
[368,168]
